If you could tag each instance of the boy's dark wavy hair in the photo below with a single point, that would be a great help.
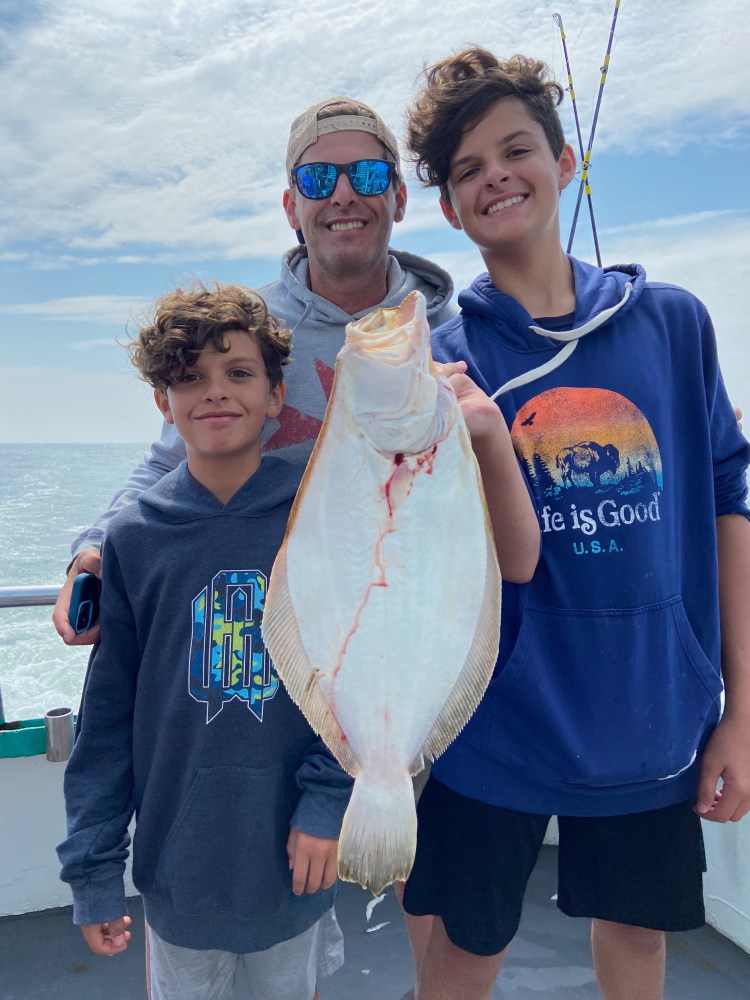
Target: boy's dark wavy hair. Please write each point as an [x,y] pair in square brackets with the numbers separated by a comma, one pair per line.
[187,320]
[459,91]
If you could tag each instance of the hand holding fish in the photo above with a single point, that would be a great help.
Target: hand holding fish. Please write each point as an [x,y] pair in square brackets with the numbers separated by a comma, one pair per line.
[482,414]
[312,861]
[514,521]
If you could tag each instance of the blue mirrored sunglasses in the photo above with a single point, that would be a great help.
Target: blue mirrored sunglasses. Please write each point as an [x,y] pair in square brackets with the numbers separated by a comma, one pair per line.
[319,180]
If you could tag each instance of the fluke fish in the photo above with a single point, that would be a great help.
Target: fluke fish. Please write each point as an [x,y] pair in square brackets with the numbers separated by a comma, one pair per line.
[383,610]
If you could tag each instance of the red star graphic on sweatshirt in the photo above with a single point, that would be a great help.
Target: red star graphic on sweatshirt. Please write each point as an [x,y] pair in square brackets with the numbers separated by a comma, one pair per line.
[296,427]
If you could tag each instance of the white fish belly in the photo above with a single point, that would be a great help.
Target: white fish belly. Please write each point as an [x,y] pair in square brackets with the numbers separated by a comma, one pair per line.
[388,588]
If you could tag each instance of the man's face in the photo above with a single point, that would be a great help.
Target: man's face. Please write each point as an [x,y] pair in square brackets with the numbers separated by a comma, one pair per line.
[346,234]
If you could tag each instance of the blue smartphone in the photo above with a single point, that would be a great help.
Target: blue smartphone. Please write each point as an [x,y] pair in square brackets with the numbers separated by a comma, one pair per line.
[84,602]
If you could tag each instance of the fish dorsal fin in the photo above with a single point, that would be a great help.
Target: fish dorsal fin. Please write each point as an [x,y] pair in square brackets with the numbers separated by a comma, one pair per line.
[281,632]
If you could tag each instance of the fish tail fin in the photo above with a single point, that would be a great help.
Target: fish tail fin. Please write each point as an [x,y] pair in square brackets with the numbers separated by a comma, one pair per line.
[379,834]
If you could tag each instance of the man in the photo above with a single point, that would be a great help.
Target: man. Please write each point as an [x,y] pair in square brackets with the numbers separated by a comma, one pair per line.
[345,192]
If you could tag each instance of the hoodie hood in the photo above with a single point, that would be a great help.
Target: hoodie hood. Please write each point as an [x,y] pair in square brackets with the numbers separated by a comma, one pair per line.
[599,296]
[180,498]
[292,298]
[596,292]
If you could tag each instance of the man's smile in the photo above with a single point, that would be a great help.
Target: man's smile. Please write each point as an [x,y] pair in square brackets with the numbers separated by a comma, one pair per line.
[340,227]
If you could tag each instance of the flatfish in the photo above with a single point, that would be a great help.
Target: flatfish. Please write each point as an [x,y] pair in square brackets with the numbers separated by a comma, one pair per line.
[383,609]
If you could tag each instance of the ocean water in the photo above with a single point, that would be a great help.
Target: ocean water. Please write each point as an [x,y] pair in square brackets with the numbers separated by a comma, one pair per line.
[48,494]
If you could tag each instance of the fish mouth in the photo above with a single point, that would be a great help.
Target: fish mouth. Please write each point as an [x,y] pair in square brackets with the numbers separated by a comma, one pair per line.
[395,335]
[503,203]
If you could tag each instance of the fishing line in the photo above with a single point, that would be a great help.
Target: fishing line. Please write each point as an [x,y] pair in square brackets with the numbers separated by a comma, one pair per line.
[584,187]
[571,90]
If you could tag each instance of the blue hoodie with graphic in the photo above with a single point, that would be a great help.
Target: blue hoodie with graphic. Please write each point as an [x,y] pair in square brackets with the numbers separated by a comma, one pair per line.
[608,680]
[186,725]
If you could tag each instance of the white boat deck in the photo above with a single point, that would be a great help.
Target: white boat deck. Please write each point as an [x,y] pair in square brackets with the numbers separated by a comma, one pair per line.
[43,956]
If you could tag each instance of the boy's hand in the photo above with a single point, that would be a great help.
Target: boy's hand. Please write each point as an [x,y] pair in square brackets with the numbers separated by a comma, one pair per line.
[727,756]
[87,561]
[482,415]
[108,938]
[313,862]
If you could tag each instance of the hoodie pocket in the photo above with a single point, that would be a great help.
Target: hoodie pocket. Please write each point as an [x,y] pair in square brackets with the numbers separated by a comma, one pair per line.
[226,849]
[602,697]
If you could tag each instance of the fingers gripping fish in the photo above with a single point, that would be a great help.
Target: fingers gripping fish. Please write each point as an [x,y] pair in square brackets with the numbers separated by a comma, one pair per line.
[383,611]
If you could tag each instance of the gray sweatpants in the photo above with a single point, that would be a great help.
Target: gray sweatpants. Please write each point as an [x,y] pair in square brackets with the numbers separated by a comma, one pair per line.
[288,971]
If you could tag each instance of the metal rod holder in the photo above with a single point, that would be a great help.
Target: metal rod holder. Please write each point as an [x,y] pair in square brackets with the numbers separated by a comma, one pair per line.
[58,724]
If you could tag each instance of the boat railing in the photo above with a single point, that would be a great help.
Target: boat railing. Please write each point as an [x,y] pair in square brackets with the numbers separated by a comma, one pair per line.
[26,597]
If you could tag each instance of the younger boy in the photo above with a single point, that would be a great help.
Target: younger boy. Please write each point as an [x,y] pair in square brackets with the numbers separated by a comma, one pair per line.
[606,698]
[184,722]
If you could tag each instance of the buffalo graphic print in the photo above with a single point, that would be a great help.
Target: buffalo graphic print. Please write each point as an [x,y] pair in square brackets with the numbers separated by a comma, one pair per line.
[593,463]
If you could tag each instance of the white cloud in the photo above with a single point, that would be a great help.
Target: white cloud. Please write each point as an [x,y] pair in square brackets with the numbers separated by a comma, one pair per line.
[90,345]
[77,407]
[82,308]
[690,219]
[165,122]
[712,262]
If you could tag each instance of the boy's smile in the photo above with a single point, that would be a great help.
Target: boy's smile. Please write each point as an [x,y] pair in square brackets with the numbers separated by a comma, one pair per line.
[505,182]
[219,406]
[498,206]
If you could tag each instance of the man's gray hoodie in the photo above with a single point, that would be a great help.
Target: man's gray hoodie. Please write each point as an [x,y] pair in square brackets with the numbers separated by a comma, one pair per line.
[318,327]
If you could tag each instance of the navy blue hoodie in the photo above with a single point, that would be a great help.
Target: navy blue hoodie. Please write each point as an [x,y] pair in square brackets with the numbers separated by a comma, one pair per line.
[608,681]
[185,723]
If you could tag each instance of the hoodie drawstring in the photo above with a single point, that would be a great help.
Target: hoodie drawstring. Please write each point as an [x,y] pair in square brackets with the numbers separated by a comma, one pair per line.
[570,338]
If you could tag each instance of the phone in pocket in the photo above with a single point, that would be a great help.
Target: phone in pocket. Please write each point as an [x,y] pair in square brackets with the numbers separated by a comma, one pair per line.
[84,602]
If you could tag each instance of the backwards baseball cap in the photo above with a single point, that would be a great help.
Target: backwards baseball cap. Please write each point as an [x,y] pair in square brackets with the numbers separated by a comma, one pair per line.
[337,114]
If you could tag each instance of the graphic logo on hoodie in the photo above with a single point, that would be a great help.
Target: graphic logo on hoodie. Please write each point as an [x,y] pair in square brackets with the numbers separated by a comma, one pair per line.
[593,464]
[228,658]
[294,426]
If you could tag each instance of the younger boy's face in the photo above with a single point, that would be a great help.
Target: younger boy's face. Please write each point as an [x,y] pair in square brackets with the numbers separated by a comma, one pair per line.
[505,182]
[220,403]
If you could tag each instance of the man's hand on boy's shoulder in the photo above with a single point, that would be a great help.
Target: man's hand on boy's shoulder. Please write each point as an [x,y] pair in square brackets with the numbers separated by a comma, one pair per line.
[108,938]
[726,757]
[87,561]
[313,862]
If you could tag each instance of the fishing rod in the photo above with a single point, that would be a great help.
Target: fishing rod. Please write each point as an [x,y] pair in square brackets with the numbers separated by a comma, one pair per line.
[571,90]
[587,156]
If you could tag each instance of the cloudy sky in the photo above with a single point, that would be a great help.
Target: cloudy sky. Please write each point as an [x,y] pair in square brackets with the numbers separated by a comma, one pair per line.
[143,142]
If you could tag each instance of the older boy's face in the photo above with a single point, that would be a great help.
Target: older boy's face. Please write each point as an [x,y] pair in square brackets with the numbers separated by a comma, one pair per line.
[346,234]
[505,182]
[220,403]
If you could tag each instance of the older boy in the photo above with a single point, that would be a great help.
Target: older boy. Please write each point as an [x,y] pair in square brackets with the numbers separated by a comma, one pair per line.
[185,724]
[605,706]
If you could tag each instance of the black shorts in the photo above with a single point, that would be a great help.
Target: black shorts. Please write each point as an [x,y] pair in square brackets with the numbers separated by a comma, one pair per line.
[474,860]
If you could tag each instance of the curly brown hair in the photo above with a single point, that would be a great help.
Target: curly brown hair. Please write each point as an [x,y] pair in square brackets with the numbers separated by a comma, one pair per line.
[458,93]
[187,320]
